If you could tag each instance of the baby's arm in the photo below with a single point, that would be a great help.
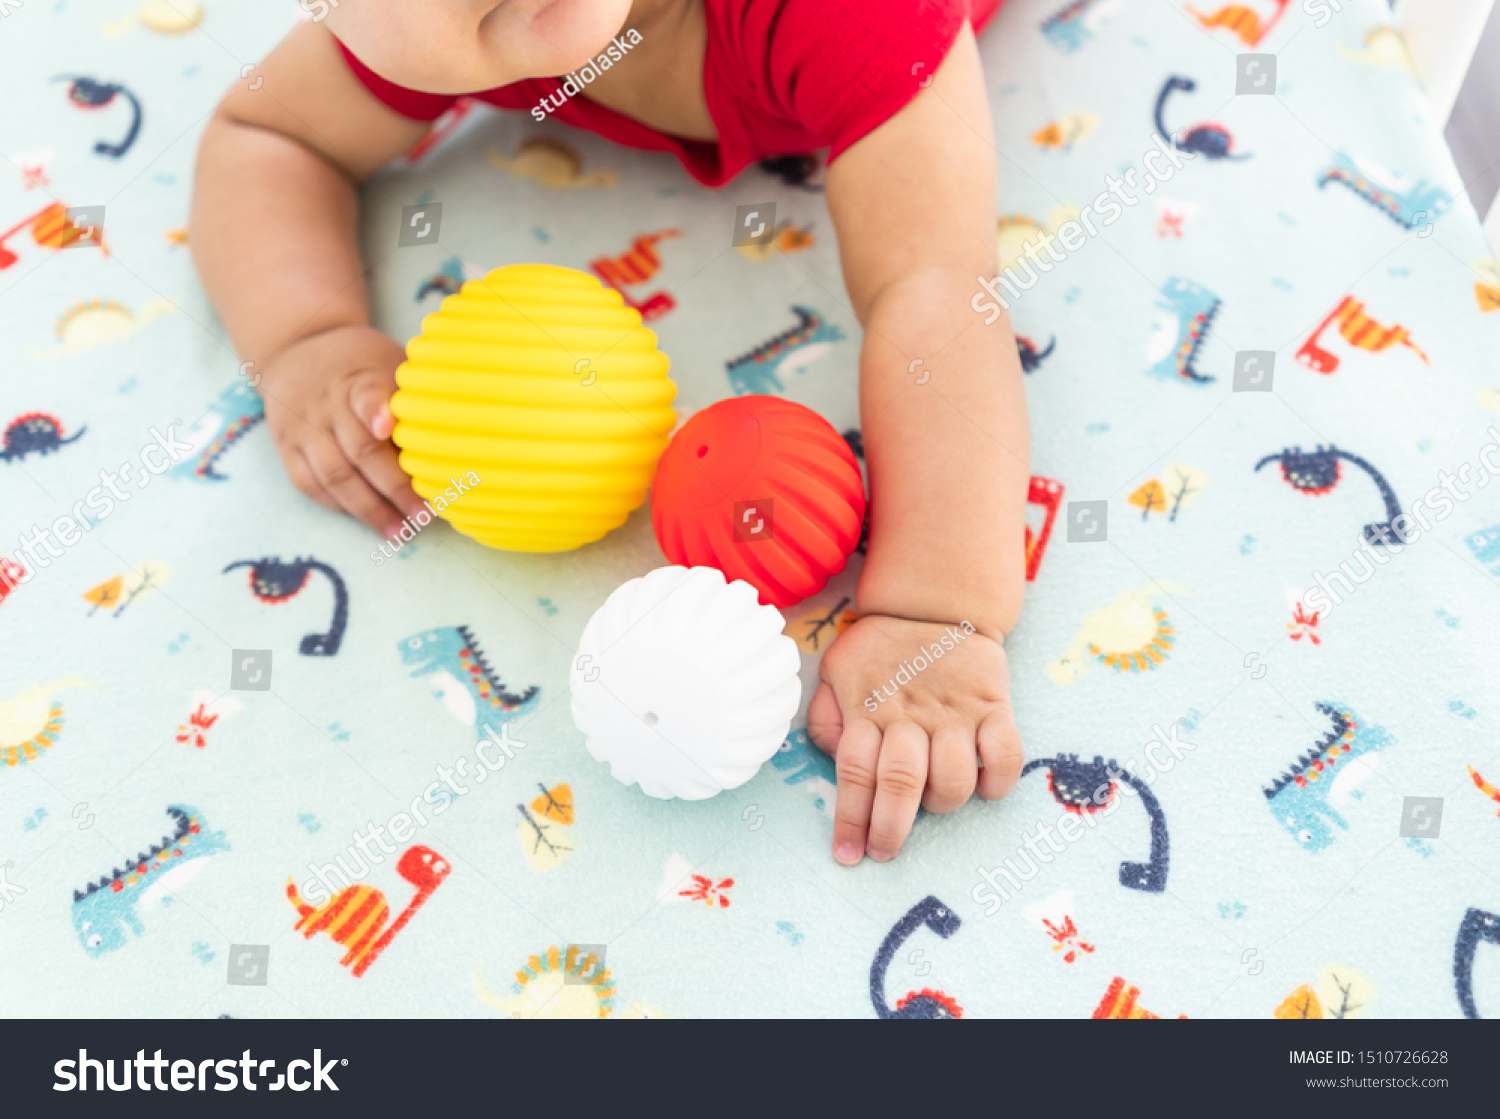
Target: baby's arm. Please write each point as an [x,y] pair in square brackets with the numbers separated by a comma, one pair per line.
[273,233]
[948,452]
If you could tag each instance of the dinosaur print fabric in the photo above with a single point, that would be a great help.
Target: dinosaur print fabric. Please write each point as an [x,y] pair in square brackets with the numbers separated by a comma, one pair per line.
[1260,713]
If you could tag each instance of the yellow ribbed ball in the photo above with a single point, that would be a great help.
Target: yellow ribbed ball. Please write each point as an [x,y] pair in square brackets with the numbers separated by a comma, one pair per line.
[540,381]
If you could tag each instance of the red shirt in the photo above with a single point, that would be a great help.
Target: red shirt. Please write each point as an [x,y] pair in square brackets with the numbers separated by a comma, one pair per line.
[781,77]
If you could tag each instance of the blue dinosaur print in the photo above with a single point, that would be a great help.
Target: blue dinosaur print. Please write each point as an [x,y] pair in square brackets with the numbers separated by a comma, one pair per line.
[804,763]
[1409,208]
[102,912]
[1299,798]
[1189,314]
[229,418]
[1485,544]
[793,350]
[468,687]
[447,280]
[1073,26]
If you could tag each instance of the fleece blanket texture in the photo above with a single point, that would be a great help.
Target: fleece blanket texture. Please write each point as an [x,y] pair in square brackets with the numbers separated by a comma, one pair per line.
[215,688]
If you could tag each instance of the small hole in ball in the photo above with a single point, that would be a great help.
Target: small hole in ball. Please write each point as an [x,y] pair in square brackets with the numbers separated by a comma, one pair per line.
[650,718]
[703,450]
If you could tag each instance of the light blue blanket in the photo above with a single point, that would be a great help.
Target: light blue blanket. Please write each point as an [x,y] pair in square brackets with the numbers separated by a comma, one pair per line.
[1254,851]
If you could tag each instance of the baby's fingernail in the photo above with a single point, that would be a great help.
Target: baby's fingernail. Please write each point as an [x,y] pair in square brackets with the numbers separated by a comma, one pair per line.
[847,853]
[880,856]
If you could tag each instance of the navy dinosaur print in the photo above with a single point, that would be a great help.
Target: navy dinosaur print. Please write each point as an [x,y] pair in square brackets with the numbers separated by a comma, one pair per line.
[1478,925]
[1031,357]
[1210,140]
[1074,785]
[274,581]
[1317,472]
[925,1003]
[35,432]
[87,93]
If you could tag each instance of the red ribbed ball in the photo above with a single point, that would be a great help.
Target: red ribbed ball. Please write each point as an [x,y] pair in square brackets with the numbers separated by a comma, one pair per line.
[763,489]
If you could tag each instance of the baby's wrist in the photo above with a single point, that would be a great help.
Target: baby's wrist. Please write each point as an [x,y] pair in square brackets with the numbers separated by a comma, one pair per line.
[923,599]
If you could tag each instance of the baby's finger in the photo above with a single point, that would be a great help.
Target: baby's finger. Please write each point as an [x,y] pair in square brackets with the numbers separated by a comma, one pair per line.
[898,794]
[302,476]
[1000,749]
[825,722]
[347,487]
[370,398]
[859,754]
[376,460]
[954,769]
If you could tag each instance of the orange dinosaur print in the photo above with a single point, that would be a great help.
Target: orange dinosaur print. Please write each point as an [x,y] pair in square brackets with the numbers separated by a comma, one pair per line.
[636,267]
[1484,786]
[51,229]
[1242,21]
[1119,1003]
[357,914]
[1358,330]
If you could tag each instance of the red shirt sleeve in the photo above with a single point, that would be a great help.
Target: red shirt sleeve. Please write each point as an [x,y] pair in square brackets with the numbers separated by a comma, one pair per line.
[408,102]
[844,67]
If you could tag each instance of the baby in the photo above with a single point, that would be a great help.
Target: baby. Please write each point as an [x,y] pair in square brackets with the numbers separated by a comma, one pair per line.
[894,89]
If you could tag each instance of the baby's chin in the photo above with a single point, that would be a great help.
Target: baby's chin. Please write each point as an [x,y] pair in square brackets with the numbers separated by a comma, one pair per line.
[562,35]
[443,52]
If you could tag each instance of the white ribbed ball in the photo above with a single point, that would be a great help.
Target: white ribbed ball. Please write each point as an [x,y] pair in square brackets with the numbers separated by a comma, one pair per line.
[684,683]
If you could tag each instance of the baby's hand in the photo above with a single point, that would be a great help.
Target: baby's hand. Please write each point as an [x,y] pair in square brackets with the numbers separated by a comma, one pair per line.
[328,407]
[918,746]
